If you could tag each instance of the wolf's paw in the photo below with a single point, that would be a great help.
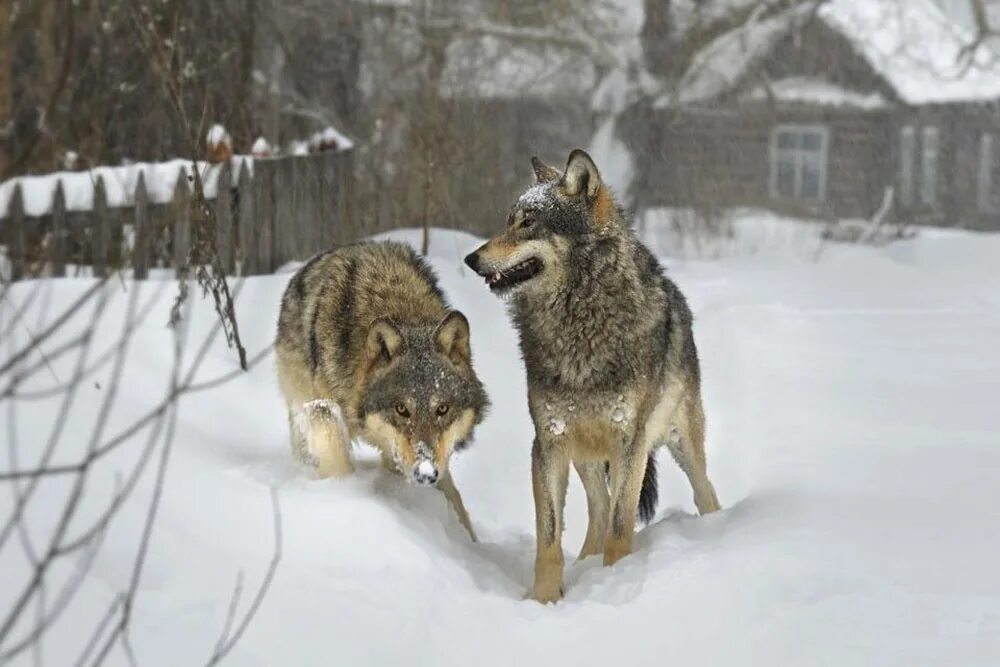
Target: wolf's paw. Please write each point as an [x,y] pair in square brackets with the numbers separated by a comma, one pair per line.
[545,594]
[615,551]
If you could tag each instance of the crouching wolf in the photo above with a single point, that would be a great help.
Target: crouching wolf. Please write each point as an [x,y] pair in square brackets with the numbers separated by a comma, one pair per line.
[610,356]
[367,348]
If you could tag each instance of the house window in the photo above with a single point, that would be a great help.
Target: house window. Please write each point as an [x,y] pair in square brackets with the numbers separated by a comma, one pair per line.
[928,166]
[798,162]
[918,165]
[989,174]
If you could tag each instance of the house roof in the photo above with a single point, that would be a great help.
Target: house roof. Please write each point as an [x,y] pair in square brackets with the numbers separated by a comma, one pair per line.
[723,63]
[922,54]
[919,51]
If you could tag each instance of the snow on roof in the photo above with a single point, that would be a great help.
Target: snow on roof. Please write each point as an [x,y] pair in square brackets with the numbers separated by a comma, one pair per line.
[119,185]
[816,91]
[721,65]
[491,66]
[917,49]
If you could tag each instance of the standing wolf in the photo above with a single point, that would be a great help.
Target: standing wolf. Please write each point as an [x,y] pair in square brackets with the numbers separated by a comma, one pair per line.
[611,360]
[367,348]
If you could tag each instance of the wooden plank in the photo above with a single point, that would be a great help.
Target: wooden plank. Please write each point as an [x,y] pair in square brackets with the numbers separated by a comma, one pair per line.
[317,207]
[141,232]
[329,196]
[18,235]
[181,223]
[59,232]
[349,227]
[300,213]
[246,261]
[101,229]
[283,219]
[335,230]
[263,203]
[298,207]
[223,206]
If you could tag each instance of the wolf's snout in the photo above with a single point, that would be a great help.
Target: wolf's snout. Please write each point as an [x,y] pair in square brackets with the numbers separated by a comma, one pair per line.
[472,261]
[425,472]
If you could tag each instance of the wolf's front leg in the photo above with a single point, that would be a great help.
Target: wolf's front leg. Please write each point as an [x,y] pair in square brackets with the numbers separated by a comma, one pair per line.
[327,438]
[549,473]
[447,486]
[628,467]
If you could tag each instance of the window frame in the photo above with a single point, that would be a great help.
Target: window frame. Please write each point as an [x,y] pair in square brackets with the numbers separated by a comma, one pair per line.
[930,161]
[986,182]
[907,162]
[799,160]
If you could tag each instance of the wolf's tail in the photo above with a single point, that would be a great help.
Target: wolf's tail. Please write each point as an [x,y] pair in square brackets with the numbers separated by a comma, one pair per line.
[650,492]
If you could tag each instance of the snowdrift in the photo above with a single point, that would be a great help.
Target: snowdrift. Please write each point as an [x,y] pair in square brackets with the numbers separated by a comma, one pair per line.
[853,437]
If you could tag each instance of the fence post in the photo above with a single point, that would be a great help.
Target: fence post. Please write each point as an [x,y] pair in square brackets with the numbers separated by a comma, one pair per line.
[182,222]
[263,205]
[102,229]
[294,194]
[140,231]
[59,232]
[312,216]
[329,194]
[224,218]
[284,226]
[18,250]
[246,224]
[348,227]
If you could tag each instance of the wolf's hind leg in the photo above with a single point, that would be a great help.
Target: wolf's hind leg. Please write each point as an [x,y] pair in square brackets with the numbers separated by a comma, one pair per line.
[628,467]
[447,486]
[327,439]
[686,442]
[598,506]
[297,438]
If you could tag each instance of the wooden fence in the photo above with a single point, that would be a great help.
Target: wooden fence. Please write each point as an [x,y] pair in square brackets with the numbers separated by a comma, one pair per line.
[278,210]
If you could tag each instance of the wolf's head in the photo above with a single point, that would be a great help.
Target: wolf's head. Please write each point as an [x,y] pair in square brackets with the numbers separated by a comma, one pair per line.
[560,212]
[423,397]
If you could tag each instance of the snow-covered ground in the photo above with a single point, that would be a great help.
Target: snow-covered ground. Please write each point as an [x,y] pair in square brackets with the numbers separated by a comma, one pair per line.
[854,439]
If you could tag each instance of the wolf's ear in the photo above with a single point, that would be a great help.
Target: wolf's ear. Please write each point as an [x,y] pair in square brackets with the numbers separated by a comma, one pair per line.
[581,175]
[452,338]
[384,341]
[543,172]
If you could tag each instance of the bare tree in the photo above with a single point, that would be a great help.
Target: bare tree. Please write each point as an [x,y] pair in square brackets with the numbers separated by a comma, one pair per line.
[37,602]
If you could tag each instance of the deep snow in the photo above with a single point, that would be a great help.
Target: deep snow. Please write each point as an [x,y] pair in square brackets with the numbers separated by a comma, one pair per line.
[854,439]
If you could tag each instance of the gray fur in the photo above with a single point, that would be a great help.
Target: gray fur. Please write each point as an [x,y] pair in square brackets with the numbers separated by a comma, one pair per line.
[368,349]
[610,356]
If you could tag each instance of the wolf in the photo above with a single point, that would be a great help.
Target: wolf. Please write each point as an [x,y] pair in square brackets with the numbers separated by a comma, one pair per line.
[610,357]
[368,349]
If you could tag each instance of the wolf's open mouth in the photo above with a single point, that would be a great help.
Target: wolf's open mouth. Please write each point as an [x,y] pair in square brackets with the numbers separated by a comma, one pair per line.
[517,274]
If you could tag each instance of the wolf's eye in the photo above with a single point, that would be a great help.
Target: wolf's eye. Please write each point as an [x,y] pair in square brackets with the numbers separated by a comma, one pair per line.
[527,222]
[442,410]
[402,411]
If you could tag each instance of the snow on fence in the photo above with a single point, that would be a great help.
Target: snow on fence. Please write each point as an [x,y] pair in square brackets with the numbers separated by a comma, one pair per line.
[267,212]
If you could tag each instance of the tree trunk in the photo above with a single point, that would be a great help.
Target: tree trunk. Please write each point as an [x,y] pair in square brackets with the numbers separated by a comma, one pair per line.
[6,114]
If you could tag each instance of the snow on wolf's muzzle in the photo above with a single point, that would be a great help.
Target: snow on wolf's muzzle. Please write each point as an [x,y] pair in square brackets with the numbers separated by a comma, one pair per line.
[424,471]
